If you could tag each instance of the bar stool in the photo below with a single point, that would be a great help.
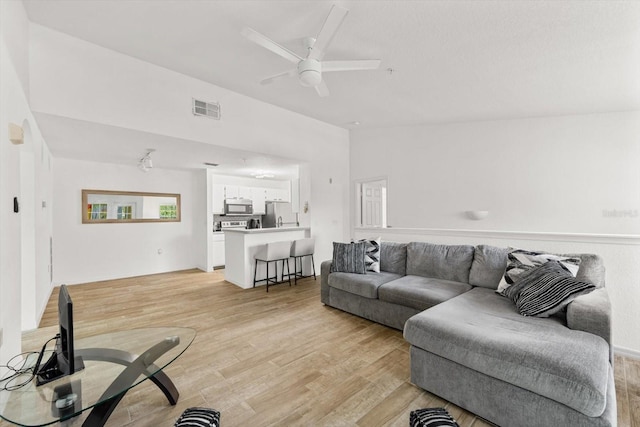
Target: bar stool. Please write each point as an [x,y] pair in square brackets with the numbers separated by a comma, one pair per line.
[299,249]
[273,252]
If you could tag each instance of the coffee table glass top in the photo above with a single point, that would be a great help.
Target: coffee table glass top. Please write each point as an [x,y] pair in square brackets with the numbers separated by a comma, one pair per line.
[105,357]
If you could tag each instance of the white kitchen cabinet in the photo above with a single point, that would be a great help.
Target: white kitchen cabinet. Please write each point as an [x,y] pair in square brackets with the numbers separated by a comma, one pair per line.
[244,192]
[277,195]
[218,198]
[258,197]
[231,191]
[218,250]
[295,195]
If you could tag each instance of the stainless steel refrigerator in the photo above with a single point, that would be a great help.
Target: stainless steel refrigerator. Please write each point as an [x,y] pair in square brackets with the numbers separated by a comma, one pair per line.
[279,214]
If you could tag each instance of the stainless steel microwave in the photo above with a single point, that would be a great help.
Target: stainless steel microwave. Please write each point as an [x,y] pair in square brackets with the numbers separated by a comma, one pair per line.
[238,207]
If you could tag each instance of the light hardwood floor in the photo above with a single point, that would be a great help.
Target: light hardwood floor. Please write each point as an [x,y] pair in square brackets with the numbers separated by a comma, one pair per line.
[261,359]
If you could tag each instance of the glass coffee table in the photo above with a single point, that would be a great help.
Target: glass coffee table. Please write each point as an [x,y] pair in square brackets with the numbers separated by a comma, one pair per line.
[114,363]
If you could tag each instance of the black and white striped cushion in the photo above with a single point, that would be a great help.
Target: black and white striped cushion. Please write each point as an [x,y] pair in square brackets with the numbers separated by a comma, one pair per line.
[199,417]
[547,289]
[372,254]
[431,417]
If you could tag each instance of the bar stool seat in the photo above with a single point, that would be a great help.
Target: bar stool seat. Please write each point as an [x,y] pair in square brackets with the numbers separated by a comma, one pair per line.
[299,249]
[273,252]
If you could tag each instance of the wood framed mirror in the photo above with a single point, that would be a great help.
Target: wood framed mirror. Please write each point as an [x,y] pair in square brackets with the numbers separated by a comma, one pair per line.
[107,207]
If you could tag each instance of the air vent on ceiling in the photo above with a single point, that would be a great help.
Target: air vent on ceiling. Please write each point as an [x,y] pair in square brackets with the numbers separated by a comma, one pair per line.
[207,109]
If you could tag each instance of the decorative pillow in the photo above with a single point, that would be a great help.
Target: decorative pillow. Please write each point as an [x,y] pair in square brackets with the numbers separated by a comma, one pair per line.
[372,254]
[348,257]
[198,417]
[532,275]
[547,289]
[520,260]
[431,417]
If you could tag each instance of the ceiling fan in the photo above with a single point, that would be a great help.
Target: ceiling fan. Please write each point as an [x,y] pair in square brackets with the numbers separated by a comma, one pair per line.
[310,68]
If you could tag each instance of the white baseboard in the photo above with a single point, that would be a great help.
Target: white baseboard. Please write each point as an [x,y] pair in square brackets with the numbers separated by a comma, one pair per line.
[626,352]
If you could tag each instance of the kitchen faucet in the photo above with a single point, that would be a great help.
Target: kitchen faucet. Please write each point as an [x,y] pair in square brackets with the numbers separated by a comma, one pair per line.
[279,221]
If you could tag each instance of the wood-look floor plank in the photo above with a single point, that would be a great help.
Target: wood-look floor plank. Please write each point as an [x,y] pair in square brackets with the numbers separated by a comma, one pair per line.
[269,359]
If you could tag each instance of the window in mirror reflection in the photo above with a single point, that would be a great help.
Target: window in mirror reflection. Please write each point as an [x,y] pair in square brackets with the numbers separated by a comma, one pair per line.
[102,206]
[371,203]
[168,211]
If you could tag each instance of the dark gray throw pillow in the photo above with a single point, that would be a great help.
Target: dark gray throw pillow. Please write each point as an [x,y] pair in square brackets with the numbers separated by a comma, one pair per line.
[349,258]
[547,289]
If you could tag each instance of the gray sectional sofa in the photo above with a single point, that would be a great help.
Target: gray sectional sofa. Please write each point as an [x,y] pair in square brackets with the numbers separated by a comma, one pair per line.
[470,346]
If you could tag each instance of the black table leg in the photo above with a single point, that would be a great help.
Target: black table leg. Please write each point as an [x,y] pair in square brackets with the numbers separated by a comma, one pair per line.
[135,366]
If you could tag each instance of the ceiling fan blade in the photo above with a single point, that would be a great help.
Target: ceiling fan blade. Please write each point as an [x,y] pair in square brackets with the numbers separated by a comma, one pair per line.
[268,80]
[328,31]
[322,89]
[363,64]
[267,43]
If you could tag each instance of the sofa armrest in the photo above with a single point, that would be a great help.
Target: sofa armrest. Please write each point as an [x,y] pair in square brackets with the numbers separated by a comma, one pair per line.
[325,269]
[592,313]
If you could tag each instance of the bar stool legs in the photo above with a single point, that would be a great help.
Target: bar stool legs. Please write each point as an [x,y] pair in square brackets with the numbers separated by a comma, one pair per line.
[298,273]
[273,252]
[299,249]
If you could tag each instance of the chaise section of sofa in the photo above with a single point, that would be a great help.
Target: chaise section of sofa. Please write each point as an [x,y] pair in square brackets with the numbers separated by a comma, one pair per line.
[469,344]
[482,332]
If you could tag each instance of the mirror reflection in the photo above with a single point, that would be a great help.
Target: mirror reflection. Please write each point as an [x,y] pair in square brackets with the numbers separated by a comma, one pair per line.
[371,203]
[102,206]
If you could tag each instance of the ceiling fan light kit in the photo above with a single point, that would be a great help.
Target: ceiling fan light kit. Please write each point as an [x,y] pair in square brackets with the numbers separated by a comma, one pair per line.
[309,72]
[146,163]
[309,69]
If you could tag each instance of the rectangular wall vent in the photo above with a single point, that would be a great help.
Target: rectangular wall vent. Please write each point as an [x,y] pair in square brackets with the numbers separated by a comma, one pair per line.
[207,109]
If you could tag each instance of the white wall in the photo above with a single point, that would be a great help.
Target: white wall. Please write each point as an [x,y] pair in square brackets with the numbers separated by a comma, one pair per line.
[14,108]
[540,174]
[79,80]
[92,252]
[548,183]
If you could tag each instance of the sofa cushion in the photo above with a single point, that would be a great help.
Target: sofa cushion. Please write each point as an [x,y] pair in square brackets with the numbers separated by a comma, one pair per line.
[365,285]
[447,262]
[420,292]
[591,268]
[393,257]
[487,268]
[483,331]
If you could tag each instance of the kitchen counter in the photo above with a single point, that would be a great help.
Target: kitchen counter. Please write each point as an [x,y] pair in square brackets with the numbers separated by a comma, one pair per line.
[265,230]
[241,245]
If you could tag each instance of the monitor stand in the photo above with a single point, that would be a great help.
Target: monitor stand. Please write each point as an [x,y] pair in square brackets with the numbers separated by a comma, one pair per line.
[50,370]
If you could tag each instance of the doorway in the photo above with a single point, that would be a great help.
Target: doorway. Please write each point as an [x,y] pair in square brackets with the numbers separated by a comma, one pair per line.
[371,203]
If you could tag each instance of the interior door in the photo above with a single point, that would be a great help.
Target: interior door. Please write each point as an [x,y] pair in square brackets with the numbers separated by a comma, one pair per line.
[372,204]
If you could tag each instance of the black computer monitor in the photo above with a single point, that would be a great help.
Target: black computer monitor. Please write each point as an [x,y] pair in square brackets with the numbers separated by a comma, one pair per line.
[63,361]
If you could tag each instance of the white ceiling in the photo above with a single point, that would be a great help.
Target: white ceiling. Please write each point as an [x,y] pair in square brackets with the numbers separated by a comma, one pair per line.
[81,140]
[452,60]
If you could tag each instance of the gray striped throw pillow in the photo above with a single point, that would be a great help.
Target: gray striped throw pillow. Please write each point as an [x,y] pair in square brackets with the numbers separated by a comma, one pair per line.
[348,258]
[547,289]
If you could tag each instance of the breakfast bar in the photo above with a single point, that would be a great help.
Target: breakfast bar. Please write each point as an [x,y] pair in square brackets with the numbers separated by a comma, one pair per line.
[241,246]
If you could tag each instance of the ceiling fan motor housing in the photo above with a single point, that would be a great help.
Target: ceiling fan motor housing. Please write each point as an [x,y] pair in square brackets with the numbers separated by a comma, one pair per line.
[310,72]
